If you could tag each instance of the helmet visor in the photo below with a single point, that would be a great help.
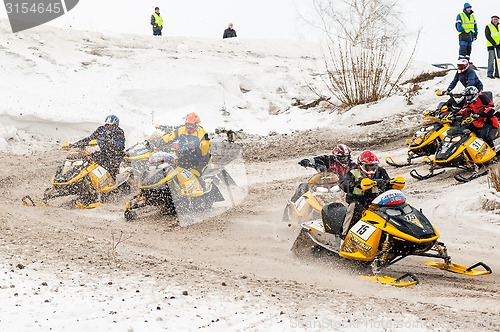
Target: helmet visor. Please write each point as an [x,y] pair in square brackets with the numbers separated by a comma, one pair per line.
[370,168]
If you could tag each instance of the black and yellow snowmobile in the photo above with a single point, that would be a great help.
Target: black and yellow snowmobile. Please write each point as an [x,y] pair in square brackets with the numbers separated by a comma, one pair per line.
[173,188]
[461,149]
[136,156]
[80,175]
[388,231]
[426,140]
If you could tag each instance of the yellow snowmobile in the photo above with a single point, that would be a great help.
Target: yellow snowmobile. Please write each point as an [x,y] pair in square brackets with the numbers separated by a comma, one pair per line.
[426,140]
[388,231]
[173,188]
[461,149]
[321,189]
[80,175]
[136,156]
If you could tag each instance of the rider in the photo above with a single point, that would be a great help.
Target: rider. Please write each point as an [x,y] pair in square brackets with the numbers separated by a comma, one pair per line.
[338,162]
[194,145]
[454,104]
[359,198]
[466,75]
[111,140]
[480,106]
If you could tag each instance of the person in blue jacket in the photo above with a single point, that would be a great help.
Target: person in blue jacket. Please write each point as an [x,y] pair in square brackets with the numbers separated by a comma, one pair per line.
[111,140]
[466,75]
[467,31]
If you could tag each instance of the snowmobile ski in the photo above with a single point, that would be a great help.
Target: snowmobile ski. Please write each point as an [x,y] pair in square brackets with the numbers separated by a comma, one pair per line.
[456,268]
[414,174]
[28,201]
[397,282]
[460,178]
[393,163]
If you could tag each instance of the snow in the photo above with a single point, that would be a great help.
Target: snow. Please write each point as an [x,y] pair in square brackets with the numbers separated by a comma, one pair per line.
[58,85]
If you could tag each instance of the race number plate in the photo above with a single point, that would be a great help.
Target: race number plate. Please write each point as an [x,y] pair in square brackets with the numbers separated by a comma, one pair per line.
[477,144]
[363,230]
[100,172]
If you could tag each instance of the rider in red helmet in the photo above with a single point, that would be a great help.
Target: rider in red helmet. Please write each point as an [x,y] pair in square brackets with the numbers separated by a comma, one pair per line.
[357,198]
[193,144]
[338,162]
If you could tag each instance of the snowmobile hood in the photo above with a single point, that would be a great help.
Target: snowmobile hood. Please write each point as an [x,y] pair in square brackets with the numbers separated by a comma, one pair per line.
[390,197]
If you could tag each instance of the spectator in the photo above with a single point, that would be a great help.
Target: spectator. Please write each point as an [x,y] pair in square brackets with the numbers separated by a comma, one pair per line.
[493,45]
[229,32]
[467,31]
[157,22]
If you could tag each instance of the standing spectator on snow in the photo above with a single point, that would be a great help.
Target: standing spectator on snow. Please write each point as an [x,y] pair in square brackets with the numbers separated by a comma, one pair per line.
[229,32]
[467,31]
[466,75]
[493,44]
[157,22]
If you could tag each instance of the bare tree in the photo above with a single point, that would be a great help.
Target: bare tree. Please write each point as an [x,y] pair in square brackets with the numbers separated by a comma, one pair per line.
[365,41]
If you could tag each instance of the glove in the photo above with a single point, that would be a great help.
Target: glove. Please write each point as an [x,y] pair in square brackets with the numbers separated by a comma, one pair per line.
[475,37]
[306,162]
[469,119]
[367,184]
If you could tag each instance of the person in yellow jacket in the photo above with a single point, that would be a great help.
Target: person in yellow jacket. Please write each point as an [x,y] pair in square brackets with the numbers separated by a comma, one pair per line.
[467,31]
[193,144]
[157,22]
[493,45]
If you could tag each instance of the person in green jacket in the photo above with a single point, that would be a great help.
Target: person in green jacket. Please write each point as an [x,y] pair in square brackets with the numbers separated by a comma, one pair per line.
[467,31]
[157,22]
[493,45]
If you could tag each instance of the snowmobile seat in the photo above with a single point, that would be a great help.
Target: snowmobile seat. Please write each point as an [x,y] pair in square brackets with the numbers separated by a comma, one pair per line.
[333,215]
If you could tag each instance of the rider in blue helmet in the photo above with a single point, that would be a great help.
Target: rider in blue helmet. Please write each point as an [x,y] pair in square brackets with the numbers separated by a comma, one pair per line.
[111,140]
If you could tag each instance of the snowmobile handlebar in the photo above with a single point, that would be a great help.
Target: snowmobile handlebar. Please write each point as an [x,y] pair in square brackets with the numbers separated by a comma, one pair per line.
[396,183]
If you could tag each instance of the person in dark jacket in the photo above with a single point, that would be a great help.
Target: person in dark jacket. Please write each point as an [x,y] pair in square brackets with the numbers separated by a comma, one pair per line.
[229,32]
[492,34]
[157,22]
[111,141]
[339,162]
[486,123]
[359,199]
[467,31]
[465,75]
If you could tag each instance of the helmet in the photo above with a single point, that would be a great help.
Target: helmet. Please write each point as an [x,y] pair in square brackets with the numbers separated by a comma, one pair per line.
[368,163]
[192,119]
[112,120]
[462,65]
[342,154]
[471,93]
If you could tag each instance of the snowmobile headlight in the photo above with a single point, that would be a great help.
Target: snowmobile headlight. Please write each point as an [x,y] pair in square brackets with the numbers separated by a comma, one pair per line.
[78,163]
[322,189]
[456,139]
[334,189]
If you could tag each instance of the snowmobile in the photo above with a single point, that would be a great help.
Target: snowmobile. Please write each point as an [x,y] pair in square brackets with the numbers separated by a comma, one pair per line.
[321,188]
[461,149]
[173,188]
[80,175]
[136,156]
[388,231]
[426,140]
